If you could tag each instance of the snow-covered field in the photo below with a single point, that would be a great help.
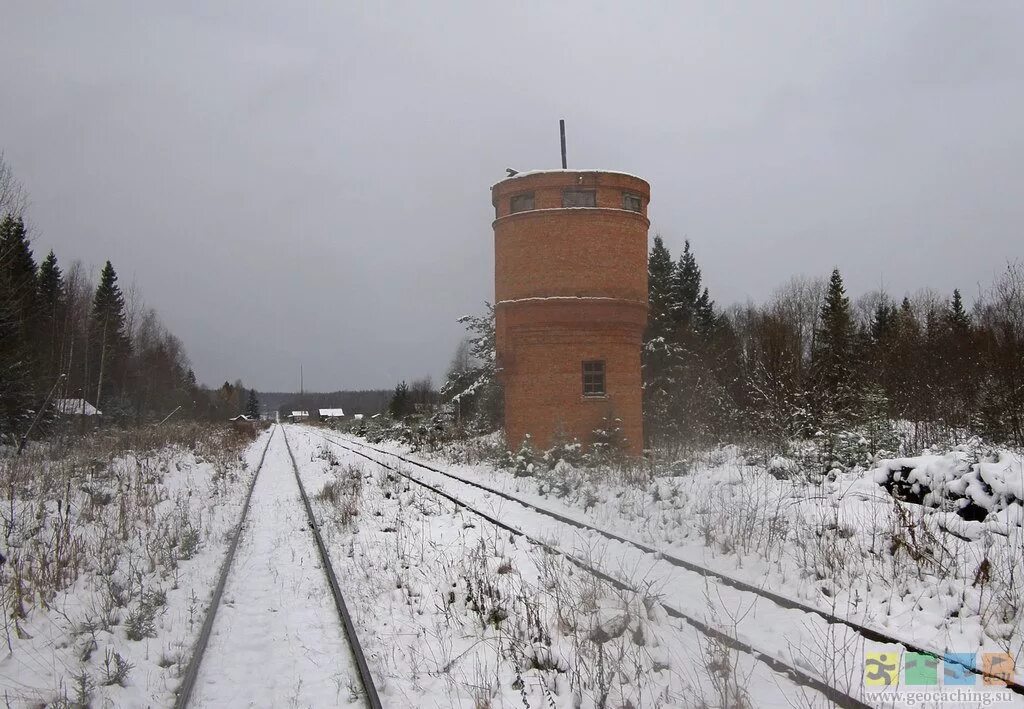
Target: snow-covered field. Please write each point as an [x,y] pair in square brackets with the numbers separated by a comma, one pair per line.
[277,638]
[113,547]
[455,612]
[113,550]
[924,575]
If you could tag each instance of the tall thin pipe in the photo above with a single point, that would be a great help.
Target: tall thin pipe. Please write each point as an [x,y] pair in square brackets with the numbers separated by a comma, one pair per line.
[561,129]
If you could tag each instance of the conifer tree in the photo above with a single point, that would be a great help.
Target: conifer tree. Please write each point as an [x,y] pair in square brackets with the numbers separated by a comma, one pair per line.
[50,283]
[472,385]
[111,341]
[832,358]
[686,288]
[18,270]
[399,406]
[50,287]
[660,277]
[17,321]
[252,405]
[956,315]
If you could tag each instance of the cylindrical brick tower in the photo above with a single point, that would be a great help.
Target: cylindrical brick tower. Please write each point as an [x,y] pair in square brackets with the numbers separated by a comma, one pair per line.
[570,290]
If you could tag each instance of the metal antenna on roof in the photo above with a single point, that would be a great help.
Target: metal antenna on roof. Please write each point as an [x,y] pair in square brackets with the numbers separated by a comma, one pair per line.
[561,129]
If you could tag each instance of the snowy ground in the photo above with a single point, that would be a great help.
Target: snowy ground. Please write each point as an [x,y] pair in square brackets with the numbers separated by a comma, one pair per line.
[112,554]
[455,612]
[277,640]
[112,561]
[842,546]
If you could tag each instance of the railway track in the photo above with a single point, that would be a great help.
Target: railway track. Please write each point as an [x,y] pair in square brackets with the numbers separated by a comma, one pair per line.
[778,665]
[869,634]
[186,690]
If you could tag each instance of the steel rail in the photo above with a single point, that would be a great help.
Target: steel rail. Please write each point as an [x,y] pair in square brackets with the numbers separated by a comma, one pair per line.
[868,633]
[188,682]
[795,674]
[372,697]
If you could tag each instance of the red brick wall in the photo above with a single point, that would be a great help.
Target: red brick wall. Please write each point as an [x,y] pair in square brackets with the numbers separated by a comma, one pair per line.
[591,266]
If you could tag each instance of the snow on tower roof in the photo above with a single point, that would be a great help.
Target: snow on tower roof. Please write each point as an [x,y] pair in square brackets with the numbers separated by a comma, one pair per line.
[529,173]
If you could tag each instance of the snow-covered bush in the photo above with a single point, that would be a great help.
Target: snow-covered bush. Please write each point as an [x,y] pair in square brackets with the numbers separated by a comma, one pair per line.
[343,493]
[972,483]
[783,468]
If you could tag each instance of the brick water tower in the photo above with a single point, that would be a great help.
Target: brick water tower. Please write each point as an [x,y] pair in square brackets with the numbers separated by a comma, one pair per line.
[570,290]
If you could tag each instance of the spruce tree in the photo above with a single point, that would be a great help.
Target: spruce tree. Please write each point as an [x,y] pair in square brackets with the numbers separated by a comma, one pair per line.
[883,321]
[962,367]
[660,276]
[50,288]
[832,359]
[18,306]
[399,406]
[956,315]
[252,405]
[18,270]
[50,283]
[111,340]
[686,288]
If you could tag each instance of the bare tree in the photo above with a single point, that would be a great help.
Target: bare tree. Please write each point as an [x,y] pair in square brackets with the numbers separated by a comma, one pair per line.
[13,198]
[799,302]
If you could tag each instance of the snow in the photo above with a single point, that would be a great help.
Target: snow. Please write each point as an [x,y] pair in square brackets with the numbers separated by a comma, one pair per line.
[454,612]
[993,483]
[331,413]
[529,173]
[557,297]
[828,546]
[151,528]
[277,636]
[79,407]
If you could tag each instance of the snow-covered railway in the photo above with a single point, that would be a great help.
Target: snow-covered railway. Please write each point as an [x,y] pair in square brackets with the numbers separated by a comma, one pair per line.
[834,690]
[277,630]
[864,632]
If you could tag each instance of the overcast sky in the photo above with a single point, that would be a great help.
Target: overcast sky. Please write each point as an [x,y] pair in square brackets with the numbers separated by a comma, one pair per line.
[309,182]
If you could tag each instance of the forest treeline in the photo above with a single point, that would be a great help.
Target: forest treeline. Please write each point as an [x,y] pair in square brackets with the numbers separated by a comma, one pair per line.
[810,364]
[64,336]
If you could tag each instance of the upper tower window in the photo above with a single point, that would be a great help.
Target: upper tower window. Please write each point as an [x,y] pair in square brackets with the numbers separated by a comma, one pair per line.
[632,202]
[521,202]
[579,198]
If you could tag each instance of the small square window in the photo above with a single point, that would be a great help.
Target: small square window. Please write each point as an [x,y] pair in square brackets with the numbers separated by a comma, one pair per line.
[632,202]
[593,378]
[579,198]
[521,202]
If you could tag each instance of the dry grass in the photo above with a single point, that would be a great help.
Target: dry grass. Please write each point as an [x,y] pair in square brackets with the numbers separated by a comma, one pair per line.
[96,506]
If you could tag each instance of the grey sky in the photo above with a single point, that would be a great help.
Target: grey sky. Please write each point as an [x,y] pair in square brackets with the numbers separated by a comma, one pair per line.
[309,183]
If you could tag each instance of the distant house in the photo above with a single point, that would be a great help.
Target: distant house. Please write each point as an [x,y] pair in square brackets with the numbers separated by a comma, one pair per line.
[297,416]
[357,417]
[331,414]
[75,407]
[240,417]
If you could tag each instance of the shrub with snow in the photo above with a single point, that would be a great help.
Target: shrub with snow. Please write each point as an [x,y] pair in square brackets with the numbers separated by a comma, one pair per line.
[975,488]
